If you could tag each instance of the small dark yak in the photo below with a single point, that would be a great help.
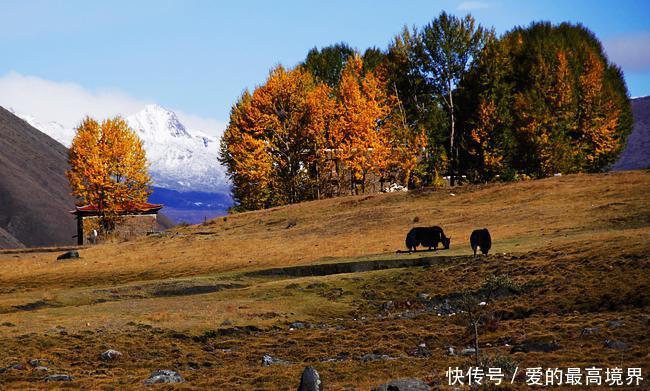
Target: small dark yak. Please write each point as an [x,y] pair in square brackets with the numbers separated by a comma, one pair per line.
[426,237]
[480,238]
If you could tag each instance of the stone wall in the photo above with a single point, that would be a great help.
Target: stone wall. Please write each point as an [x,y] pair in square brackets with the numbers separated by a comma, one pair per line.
[126,228]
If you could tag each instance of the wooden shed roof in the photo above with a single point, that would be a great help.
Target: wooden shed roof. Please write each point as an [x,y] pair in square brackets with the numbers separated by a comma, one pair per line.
[131,208]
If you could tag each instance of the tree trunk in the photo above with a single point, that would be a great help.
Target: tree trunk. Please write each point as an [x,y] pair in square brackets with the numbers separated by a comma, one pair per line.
[339,180]
[476,342]
[452,165]
[317,182]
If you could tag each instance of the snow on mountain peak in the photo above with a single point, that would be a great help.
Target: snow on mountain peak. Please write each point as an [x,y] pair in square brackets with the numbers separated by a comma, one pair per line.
[179,158]
[157,120]
[53,129]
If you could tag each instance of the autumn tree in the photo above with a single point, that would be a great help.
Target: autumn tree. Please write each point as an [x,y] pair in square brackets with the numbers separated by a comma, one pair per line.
[108,168]
[600,111]
[296,138]
[418,110]
[356,133]
[541,100]
[450,97]
[244,153]
[407,147]
[486,120]
[446,49]
[271,143]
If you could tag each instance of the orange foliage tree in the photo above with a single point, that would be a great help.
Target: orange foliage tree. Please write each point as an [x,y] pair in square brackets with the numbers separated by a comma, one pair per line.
[599,115]
[407,145]
[369,133]
[244,152]
[356,134]
[108,168]
[545,100]
[271,143]
[295,138]
[483,141]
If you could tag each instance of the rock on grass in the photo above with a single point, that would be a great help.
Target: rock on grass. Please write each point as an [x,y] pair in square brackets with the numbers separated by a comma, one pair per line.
[164,376]
[68,255]
[310,380]
[268,360]
[58,377]
[616,345]
[110,355]
[39,362]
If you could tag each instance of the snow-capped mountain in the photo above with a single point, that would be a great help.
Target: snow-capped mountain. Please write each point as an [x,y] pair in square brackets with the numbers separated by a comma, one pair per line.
[53,129]
[180,159]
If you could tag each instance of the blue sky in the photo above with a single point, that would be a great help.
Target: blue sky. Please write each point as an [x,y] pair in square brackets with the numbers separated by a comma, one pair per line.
[63,59]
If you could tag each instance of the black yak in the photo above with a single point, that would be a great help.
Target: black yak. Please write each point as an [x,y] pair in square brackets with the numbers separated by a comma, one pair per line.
[426,237]
[480,238]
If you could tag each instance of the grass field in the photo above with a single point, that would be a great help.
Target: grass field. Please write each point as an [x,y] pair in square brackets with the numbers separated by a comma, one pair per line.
[576,247]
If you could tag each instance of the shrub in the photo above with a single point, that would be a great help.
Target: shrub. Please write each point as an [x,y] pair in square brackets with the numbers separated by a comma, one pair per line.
[507,364]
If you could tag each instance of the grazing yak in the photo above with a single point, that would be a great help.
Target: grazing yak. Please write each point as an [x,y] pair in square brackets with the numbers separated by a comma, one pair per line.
[480,238]
[426,237]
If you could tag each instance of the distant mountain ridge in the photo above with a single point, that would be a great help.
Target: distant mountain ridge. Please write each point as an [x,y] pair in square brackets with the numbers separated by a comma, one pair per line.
[636,154]
[180,158]
[191,206]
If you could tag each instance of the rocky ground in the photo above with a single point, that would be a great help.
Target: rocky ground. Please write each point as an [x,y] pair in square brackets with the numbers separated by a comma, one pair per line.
[557,308]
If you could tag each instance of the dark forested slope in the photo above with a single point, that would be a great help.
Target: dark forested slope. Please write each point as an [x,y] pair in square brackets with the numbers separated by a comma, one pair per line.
[637,151]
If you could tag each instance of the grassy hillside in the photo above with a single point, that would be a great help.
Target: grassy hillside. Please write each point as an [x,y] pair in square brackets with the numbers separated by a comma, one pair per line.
[35,198]
[574,250]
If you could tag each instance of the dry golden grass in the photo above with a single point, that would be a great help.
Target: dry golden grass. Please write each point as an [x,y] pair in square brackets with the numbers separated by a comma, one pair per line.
[522,216]
[580,245]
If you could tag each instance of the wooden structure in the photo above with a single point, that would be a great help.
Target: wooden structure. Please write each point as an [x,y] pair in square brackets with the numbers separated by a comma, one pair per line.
[133,220]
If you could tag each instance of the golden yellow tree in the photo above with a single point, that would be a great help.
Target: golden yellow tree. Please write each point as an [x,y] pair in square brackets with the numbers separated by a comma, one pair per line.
[549,99]
[288,116]
[407,145]
[108,168]
[599,115]
[321,108]
[272,143]
[482,137]
[244,152]
[295,138]
[546,116]
[355,133]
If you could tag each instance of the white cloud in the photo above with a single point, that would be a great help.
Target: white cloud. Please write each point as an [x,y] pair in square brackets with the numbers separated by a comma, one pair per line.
[67,103]
[472,5]
[631,52]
